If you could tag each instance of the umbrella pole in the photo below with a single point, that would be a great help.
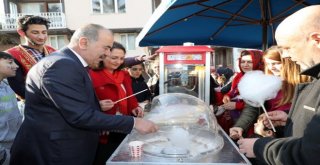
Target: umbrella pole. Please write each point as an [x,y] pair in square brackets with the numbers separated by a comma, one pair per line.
[264,36]
[263,6]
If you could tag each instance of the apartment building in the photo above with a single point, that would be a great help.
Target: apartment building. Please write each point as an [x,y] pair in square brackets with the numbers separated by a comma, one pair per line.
[125,18]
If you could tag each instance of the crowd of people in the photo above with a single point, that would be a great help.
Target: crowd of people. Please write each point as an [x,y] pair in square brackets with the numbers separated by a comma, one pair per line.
[74,112]
[89,65]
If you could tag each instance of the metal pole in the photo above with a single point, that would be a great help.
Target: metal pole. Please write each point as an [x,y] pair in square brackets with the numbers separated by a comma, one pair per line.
[264,23]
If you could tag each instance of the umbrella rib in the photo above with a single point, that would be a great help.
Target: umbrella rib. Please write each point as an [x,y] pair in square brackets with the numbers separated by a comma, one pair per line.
[230,19]
[303,2]
[172,23]
[215,8]
[222,18]
[298,2]
[224,11]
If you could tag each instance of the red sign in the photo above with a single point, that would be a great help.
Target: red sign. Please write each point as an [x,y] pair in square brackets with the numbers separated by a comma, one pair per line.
[187,58]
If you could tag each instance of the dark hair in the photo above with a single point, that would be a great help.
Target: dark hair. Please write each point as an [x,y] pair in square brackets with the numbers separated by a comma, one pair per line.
[227,72]
[26,20]
[4,55]
[142,64]
[117,45]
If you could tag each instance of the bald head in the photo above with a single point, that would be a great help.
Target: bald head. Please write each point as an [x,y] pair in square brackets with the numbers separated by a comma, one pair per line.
[300,23]
[90,31]
[299,35]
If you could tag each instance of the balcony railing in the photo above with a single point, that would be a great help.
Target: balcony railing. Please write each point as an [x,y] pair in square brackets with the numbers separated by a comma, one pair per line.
[9,21]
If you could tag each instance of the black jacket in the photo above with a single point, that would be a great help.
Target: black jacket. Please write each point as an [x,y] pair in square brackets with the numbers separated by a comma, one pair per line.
[138,85]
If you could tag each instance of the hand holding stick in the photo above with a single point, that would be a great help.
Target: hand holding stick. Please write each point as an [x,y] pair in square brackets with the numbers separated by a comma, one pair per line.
[268,117]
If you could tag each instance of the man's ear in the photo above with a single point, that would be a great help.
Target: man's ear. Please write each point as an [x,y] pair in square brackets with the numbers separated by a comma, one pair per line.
[315,37]
[83,43]
[21,32]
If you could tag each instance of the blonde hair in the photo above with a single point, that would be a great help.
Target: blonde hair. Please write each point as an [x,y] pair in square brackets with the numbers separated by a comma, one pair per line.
[290,74]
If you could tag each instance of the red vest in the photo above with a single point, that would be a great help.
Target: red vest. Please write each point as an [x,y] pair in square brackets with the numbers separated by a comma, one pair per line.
[25,58]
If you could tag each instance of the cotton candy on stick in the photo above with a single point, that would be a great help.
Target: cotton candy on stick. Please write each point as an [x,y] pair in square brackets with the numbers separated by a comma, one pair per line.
[255,88]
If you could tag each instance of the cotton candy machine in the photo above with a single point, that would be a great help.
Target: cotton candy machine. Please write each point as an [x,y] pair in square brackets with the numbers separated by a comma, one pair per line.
[188,134]
[181,142]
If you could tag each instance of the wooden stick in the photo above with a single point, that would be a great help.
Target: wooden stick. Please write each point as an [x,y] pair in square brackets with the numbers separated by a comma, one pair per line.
[129,96]
[268,117]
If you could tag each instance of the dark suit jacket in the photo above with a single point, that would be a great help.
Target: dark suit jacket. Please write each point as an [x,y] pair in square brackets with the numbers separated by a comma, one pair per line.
[62,115]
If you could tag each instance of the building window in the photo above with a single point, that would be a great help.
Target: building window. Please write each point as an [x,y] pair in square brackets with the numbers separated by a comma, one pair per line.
[155,4]
[32,7]
[108,6]
[13,8]
[128,40]
[57,41]
[54,7]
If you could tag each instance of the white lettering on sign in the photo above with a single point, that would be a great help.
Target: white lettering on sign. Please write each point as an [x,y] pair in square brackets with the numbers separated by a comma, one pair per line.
[184,57]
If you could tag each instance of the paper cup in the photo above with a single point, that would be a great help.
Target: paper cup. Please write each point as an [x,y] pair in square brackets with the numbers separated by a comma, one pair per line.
[136,148]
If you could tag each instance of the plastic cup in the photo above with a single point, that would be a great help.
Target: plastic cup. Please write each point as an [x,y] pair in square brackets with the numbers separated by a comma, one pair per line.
[136,148]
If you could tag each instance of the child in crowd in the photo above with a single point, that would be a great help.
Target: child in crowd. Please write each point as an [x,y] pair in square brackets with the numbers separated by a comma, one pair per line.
[153,82]
[138,83]
[10,116]
[261,131]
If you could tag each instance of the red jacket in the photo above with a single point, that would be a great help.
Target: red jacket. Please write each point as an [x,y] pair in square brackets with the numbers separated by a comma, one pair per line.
[271,105]
[234,91]
[106,87]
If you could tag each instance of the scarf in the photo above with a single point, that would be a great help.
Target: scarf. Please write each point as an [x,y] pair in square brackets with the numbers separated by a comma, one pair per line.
[117,78]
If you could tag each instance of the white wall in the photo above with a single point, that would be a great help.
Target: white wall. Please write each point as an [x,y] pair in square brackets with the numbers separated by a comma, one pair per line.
[236,55]
[79,12]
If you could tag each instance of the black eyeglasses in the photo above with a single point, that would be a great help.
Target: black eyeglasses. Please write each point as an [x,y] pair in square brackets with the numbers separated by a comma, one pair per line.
[135,69]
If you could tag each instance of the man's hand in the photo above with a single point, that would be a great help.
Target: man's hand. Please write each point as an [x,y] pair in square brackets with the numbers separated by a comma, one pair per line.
[138,112]
[236,133]
[145,126]
[106,104]
[246,147]
[278,118]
